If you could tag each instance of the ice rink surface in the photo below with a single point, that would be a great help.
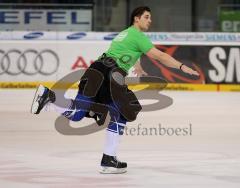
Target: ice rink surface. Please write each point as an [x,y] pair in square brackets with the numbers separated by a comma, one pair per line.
[33,154]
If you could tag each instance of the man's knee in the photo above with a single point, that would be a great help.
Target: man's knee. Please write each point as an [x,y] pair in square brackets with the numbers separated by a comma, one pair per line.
[125,100]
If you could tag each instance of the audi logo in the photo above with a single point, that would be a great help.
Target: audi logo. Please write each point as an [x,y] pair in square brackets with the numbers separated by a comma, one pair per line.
[29,62]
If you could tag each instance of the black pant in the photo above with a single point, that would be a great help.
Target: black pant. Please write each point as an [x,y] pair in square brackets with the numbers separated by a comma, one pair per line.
[106,66]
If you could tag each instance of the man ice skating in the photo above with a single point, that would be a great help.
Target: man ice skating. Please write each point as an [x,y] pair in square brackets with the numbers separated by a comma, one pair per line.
[113,65]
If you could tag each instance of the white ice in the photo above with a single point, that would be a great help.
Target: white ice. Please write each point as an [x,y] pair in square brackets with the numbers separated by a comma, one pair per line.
[33,154]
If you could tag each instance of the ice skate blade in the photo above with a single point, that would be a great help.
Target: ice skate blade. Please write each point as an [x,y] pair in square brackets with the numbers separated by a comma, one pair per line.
[111,170]
[39,92]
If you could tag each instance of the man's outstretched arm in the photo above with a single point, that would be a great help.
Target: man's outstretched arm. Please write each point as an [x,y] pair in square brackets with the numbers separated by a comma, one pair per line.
[169,61]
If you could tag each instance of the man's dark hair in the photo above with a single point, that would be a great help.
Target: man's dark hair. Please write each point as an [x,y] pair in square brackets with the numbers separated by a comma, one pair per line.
[138,12]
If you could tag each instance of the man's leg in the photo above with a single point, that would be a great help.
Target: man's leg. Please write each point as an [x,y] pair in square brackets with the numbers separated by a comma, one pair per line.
[82,106]
[110,163]
[75,112]
[67,107]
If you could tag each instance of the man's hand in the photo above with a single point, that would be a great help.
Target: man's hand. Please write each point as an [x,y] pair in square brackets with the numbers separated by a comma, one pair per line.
[188,70]
[138,70]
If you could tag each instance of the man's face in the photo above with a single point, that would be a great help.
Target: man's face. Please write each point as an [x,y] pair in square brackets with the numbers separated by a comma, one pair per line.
[144,21]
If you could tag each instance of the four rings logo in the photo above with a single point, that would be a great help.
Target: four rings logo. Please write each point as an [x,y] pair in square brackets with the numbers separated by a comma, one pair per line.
[28,62]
